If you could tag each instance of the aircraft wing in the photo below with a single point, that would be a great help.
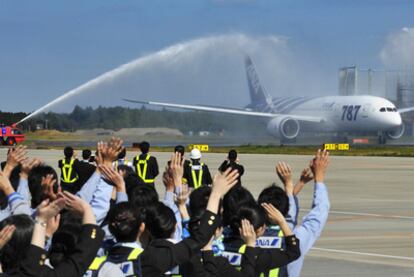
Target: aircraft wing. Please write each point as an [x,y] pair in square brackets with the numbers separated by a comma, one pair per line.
[227,110]
[406,110]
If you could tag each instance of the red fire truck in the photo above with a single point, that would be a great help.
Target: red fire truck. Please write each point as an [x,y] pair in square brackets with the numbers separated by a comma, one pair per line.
[11,135]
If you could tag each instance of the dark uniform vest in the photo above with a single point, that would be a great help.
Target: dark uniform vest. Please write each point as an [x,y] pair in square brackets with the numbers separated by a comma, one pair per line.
[68,176]
[197,174]
[272,238]
[142,168]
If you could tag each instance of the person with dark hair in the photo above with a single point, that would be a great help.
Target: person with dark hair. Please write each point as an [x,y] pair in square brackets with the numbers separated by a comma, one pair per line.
[212,264]
[69,166]
[237,197]
[66,237]
[13,253]
[277,197]
[75,261]
[146,166]
[196,172]
[160,221]
[126,224]
[232,162]
[36,184]
[267,258]
[309,230]
[16,203]
[85,169]
[143,195]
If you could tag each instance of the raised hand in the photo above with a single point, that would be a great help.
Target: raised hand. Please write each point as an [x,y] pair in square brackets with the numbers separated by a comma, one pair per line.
[305,177]
[5,184]
[181,199]
[182,195]
[47,210]
[319,165]
[247,233]
[79,206]
[177,168]
[168,180]
[113,177]
[27,165]
[114,148]
[108,152]
[14,157]
[52,225]
[284,171]
[6,234]
[223,182]
[275,217]
[48,187]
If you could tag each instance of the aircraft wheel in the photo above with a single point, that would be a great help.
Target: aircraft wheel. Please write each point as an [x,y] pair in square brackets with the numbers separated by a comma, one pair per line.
[11,142]
[382,139]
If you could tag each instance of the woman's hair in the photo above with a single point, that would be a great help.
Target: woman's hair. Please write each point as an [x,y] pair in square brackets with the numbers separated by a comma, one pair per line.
[238,196]
[253,212]
[160,221]
[141,195]
[199,199]
[129,171]
[124,221]
[13,252]
[35,182]
[64,240]
[277,197]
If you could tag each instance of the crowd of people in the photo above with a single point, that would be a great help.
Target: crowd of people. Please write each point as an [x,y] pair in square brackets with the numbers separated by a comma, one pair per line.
[102,216]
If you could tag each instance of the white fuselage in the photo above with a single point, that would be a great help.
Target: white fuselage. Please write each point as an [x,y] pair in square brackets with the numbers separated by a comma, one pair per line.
[351,113]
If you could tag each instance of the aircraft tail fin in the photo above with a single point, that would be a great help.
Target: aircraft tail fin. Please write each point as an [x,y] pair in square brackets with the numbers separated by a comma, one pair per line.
[258,95]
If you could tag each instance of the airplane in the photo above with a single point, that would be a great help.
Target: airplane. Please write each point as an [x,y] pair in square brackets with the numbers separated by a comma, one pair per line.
[289,116]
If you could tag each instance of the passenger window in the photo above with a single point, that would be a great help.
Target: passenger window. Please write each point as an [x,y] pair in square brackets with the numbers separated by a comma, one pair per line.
[382,110]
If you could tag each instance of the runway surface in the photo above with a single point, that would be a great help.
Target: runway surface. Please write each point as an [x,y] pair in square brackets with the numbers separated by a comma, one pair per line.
[370,231]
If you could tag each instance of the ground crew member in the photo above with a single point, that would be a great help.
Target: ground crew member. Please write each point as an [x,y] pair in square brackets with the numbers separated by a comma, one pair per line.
[145,165]
[85,168]
[196,173]
[69,171]
[233,162]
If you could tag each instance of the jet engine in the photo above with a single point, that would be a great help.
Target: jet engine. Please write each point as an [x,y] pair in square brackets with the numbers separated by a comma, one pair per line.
[397,132]
[284,127]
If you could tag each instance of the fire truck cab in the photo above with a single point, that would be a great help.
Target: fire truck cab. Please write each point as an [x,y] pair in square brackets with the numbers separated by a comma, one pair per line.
[11,135]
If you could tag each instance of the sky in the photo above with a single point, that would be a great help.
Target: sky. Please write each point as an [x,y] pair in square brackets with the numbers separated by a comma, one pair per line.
[50,47]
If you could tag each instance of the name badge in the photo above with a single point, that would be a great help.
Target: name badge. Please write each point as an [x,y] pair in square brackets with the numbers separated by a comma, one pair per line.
[269,242]
[233,258]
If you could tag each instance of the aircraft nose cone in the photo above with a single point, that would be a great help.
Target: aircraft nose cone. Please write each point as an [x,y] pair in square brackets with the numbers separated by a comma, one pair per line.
[394,120]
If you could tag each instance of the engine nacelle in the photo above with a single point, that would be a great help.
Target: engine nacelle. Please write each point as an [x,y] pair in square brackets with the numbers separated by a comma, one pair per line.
[284,127]
[396,133]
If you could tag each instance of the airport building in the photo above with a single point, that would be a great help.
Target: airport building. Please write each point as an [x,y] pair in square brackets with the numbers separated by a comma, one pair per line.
[395,85]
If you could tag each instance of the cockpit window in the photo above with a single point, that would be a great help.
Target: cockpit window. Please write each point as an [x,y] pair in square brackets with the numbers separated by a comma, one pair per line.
[395,109]
[390,109]
[382,110]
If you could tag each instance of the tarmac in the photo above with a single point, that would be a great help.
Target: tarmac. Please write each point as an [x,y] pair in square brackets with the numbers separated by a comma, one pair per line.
[370,230]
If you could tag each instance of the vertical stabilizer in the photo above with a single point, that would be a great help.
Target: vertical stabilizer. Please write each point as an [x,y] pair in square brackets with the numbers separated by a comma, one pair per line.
[258,96]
